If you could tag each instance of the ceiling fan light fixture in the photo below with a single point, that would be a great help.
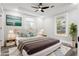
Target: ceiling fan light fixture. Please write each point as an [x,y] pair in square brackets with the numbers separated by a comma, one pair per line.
[39,9]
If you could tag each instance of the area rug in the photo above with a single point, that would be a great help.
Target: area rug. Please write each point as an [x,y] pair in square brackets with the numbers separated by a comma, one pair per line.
[59,52]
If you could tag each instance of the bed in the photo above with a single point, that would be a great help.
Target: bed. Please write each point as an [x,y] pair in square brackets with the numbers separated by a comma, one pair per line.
[39,46]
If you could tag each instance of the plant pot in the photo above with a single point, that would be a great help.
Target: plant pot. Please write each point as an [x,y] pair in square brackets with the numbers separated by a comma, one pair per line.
[73,44]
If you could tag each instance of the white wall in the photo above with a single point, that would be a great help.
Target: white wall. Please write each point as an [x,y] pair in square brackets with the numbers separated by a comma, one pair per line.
[49,24]
[74,17]
[1,27]
[24,18]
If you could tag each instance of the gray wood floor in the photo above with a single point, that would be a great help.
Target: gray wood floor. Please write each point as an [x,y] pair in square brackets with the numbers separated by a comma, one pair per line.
[64,50]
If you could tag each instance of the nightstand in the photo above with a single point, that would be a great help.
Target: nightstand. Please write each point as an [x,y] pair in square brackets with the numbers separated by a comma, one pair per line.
[10,42]
[11,39]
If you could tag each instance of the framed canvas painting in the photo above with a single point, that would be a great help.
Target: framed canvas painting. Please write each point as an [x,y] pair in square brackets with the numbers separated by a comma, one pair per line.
[13,20]
[61,25]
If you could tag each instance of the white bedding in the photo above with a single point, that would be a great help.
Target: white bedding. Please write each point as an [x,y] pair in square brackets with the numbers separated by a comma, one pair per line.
[22,38]
[25,38]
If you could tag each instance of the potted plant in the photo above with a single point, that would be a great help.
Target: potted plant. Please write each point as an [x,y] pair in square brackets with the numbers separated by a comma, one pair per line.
[73,33]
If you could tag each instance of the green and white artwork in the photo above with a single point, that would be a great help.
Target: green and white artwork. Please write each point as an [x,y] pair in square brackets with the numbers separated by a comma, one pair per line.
[13,20]
[61,25]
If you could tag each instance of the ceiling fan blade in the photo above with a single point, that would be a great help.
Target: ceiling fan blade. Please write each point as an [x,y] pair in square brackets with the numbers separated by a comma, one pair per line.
[42,10]
[36,10]
[34,7]
[45,7]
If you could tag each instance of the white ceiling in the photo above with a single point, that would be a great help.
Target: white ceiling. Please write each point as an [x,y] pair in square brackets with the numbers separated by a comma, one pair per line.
[26,7]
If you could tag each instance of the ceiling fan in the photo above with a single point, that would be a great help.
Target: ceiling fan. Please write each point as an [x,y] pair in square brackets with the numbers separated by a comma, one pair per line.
[41,7]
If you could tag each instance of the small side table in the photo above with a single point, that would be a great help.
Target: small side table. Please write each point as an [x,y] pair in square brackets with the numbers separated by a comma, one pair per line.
[10,41]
